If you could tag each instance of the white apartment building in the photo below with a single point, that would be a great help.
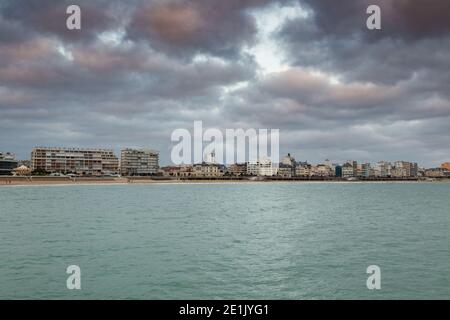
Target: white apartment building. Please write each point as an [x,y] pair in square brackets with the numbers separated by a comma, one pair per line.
[261,167]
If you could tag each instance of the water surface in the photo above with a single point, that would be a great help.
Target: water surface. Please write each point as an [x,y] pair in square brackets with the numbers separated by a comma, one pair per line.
[226,241]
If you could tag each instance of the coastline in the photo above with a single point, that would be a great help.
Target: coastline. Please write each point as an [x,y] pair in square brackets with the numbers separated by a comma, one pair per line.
[6,181]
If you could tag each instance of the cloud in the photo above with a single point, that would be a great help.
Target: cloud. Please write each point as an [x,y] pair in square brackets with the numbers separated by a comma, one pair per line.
[47,17]
[140,69]
[184,28]
[335,38]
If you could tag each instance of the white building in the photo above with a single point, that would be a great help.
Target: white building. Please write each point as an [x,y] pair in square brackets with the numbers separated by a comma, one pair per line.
[382,169]
[261,167]
[210,158]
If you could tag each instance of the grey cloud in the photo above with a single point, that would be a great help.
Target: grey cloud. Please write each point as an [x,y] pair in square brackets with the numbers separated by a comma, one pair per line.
[187,27]
[335,38]
[48,17]
[180,61]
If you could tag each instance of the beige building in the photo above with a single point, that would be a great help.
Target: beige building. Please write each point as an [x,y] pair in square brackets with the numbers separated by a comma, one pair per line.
[404,169]
[209,170]
[74,160]
[348,171]
[238,169]
[321,170]
[286,167]
[186,170]
[303,169]
[382,169]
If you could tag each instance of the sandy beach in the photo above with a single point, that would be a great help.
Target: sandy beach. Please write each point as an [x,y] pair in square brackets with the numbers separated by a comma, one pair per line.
[45,180]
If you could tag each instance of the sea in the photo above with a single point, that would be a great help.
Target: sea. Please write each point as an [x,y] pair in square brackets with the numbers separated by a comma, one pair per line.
[226,241]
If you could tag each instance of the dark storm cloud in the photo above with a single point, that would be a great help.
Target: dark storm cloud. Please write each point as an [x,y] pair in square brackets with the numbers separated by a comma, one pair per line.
[188,27]
[76,88]
[48,17]
[406,19]
[139,69]
[414,35]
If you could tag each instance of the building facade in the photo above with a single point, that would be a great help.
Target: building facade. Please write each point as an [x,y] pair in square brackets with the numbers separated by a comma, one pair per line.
[139,162]
[348,171]
[382,169]
[7,163]
[237,169]
[303,169]
[286,167]
[185,170]
[208,170]
[261,167]
[364,170]
[404,169]
[321,170]
[90,162]
[436,173]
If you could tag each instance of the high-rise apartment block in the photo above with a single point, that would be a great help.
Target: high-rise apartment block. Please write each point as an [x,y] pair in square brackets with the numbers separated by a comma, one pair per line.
[79,161]
[139,162]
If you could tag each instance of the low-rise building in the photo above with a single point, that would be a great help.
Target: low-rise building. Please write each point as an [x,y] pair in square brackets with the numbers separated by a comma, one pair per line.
[237,169]
[303,169]
[8,163]
[446,166]
[208,170]
[186,170]
[320,170]
[348,171]
[261,167]
[436,173]
[286,167]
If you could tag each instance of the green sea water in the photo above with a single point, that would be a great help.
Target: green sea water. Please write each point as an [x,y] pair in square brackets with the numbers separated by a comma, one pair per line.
[226,241]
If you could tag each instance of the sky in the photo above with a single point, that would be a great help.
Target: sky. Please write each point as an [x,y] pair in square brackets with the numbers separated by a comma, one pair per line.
[138,70]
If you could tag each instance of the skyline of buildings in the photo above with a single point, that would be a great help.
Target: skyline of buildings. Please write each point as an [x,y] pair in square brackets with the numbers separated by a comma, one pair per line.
[145,162]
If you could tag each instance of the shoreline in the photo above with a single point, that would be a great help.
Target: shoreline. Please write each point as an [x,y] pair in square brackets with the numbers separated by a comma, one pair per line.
[7,181]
